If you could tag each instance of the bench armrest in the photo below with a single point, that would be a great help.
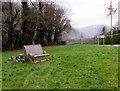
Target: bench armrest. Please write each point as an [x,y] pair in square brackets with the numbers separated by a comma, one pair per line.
[42,55]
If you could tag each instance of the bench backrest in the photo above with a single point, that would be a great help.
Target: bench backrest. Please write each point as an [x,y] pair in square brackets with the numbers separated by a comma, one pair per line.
[34,49]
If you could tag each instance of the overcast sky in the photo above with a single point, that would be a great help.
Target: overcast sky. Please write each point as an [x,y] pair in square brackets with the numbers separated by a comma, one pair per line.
[89,12]
[84,13]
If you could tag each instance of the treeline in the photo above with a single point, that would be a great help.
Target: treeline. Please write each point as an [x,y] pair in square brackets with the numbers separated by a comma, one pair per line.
[32,23]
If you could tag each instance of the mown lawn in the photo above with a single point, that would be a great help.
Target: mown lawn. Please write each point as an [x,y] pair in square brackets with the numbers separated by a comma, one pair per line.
[69,67]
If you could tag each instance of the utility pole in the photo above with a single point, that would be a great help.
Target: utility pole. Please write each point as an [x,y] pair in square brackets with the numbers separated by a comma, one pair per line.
[81,39]
[111,12]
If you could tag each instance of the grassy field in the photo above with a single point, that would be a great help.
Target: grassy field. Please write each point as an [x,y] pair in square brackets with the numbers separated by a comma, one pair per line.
[69,67]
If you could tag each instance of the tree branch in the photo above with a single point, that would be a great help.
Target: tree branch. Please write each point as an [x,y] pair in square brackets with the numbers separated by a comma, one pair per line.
[16,23]
[6,30]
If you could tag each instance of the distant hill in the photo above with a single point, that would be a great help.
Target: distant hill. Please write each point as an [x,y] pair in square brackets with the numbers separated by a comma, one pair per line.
[83,35]
[92,31]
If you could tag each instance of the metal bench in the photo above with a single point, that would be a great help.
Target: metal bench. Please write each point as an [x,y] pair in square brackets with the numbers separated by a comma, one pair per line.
[35,53]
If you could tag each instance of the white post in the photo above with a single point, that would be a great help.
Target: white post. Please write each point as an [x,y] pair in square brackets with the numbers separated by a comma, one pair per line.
[98,41]
[103,41]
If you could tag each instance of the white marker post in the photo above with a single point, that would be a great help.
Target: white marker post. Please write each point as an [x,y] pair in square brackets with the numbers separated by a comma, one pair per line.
[101,37]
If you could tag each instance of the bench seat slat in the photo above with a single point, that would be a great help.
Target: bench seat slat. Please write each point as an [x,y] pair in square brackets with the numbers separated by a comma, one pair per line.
[42,55]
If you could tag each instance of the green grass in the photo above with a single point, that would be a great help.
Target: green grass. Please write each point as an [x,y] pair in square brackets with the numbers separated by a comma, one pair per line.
[69,67]
[0,71]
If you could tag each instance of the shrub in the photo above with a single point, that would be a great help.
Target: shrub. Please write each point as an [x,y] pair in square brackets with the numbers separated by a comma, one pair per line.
[62,43]
[116,39]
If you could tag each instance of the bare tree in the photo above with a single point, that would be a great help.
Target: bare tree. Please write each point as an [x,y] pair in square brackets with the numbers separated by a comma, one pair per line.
[10,20]
[41,22]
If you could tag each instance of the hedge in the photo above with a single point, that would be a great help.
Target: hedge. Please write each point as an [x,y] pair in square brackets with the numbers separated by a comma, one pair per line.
[116,39]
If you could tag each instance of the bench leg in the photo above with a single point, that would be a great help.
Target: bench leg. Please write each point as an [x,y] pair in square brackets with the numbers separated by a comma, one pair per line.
[29,58]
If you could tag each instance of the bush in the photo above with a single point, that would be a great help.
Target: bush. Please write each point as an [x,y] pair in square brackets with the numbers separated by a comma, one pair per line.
[62,43]
[116,39]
